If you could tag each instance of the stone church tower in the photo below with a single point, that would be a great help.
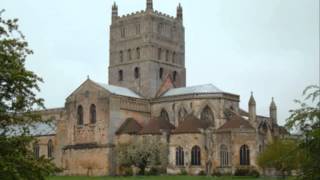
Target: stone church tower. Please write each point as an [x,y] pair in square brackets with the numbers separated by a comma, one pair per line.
[145,48]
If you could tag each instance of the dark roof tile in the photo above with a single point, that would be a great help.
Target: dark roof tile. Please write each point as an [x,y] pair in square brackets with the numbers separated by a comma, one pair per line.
[191,124]
[156,126]
[130,126]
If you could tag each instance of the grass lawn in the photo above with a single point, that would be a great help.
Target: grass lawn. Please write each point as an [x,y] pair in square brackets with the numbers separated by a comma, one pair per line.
[156,178]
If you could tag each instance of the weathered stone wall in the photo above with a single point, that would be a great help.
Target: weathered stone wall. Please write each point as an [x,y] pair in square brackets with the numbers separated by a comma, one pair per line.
[186,141]
[244,137]
[92,162]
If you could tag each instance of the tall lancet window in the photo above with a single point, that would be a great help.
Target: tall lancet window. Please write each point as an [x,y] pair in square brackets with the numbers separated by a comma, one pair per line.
[50,149]
[80,115]
[179,156]
[93,114]
[244,155]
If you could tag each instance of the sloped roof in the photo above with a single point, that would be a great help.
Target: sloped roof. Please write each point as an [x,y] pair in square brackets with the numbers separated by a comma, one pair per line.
[243,112]
[122,91]
[235,121]
[130,126]
[155,126]
[207,88]
[43,129]
[191,124]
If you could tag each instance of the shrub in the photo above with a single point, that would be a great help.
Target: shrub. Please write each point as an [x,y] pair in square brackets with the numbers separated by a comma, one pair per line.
[202,173]
[242,172]
[127,171]
[153,171]
[254,173]
[183,172]
[216,173]
[247,172]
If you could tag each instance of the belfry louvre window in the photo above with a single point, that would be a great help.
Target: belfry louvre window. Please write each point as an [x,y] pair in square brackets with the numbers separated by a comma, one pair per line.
[123,32]
[138,29]
[93,114]
[167,55]
[244,155]
[159,53]
[136,73]
[138,53]
[129,54]
[120,75]
[174,74]
[195,156]
[50,149]
[174,57]
[121,56]
[161,73]
[224,156]
[179,156]
[80,115]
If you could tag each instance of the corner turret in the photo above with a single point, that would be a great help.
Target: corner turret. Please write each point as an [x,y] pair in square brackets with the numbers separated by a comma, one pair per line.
[149,5]
[252,109]
[114,11]
[273,112]
[179,12]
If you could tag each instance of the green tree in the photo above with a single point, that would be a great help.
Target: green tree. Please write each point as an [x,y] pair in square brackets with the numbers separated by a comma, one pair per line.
[282,155]
[306,120]
[142,154]
[18,103]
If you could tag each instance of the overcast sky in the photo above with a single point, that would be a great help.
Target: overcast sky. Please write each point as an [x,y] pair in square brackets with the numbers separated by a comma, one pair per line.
[270,47]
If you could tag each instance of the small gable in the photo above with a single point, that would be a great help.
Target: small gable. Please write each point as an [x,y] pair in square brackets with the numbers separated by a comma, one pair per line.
[191,124]
[157,126]
[130,126]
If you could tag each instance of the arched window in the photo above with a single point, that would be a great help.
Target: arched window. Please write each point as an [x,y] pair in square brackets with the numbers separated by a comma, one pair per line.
[129,54]
[123,32]
[174,75]
[138,29]
[161,73]
[174,57]
[159,53]
[36,150]
[182,114]
[50,149]
[80,115]
[120,75]
[164,115]
[179,156]
[167,55]
[195,156]
[121,56]
[160,27]
[207,115]
[138,53]
[224,156]
[136,73]
[93,114]
[244,155]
